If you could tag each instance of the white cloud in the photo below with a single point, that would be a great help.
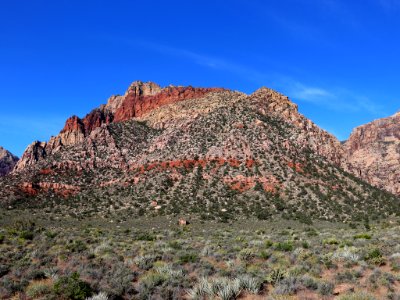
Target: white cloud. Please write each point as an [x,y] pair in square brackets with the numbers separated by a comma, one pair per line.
[337,99]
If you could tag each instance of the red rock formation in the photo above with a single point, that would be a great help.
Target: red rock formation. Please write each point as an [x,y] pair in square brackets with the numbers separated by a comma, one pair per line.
[73,124]
[138,103]
[64,190]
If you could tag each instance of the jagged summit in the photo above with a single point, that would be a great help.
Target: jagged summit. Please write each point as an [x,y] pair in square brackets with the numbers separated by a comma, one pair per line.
[141,88]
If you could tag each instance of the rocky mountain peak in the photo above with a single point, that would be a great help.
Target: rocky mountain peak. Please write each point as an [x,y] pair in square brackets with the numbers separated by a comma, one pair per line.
[373,153]
[7,161]
[140,88]
[187,147]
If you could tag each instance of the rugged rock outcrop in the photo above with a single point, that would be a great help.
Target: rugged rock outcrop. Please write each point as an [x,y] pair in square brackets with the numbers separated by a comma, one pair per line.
[373,153]
[139,99]
[7,161]
[204,151]
[273,103]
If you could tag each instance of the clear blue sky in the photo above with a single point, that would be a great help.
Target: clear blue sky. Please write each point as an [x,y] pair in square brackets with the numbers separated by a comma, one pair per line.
[337,59]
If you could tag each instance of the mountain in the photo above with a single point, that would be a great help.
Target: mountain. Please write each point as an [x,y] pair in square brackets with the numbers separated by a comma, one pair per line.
[373,153]
[209,152]
[7,161]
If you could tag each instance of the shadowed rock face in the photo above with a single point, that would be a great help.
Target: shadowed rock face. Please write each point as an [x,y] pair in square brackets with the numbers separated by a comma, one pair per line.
[373,153]
[7,161]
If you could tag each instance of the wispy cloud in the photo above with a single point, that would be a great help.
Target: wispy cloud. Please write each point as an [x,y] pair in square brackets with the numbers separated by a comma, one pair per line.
[338,99]
[208,61]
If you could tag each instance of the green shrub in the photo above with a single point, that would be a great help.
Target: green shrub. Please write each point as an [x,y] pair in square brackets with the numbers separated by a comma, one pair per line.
[265,255]
[71,287]
[51,234]
[357,296]
[331,241]
[365,236]
[375,257]
[144,236]
[188,258]
[284,246]
[76,246]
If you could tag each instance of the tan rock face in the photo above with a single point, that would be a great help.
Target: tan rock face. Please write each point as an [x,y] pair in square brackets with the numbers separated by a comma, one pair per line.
[34,153]
[373,153]
[273,103]
[7,161]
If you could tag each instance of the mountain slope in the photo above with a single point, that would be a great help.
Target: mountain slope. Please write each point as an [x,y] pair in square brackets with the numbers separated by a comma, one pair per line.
[7,161]
[214,153]
[373,153]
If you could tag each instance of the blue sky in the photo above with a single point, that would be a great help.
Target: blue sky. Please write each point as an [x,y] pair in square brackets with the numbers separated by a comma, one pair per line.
[338,60]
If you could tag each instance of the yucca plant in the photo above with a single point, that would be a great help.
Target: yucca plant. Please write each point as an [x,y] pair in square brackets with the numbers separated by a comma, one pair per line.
[99,296]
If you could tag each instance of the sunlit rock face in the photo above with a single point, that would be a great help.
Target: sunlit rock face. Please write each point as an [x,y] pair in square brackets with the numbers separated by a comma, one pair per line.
[373,153]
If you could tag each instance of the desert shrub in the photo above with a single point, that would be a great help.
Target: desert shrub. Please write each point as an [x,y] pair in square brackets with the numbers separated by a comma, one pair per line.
[50,234]
[325,288]
[346,254]
[145,236]
[119,280]
[23,229]
[145,262]
[201,290]
[13,286]
[309,282]
[71,287]
[224,288]
[287,286]
[246,255]
[177,245]
[365,236]
[35,274]
[375,257]
[148,283]
[76,246]
[357,296]
[265,254]
[330,241]
[275,276]
[284,246]
[38,289]
[188,258]
[250,284]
